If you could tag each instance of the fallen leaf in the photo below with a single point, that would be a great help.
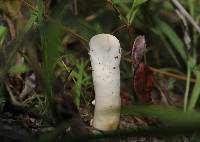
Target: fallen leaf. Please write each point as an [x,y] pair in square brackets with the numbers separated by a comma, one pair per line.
[139,47]
[143,82]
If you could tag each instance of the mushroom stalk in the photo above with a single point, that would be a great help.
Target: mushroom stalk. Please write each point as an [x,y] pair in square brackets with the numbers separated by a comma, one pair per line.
[105,55]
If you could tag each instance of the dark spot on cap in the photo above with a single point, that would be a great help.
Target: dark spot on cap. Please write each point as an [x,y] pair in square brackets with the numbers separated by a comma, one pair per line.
[114,67]
[116,57]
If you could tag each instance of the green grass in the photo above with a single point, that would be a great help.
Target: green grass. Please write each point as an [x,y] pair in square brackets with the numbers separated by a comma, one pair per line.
[64,34]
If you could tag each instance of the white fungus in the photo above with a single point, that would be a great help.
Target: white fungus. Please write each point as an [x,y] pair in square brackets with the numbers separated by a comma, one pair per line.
[105,55]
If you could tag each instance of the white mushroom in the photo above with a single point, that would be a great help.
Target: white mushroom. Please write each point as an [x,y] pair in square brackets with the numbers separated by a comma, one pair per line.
[105,55]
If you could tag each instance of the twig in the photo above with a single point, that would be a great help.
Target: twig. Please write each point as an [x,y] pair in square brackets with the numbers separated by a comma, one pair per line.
[186,14]
[169,74]
[180,77]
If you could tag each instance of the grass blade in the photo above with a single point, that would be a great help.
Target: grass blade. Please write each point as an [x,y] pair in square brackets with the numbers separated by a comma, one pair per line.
[174,39]
[187,89]
[195,92]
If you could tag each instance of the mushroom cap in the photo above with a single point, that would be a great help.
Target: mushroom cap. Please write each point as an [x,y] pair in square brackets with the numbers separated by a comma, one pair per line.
[105,49]
[105,55]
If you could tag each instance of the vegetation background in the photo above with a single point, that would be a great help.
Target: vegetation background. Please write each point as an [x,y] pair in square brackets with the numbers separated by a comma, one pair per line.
[44,60]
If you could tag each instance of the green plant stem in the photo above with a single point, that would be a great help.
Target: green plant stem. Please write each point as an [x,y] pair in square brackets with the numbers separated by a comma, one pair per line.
[195,93]
[187,86]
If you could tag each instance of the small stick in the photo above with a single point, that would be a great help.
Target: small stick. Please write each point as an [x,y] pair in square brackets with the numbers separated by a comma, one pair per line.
[169,74]
[180,77]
